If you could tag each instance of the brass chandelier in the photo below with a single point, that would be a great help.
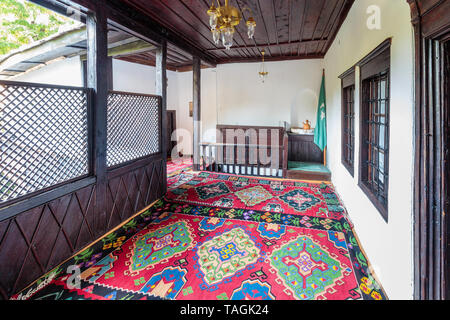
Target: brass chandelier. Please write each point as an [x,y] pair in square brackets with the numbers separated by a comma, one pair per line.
[223,21]
[263,73]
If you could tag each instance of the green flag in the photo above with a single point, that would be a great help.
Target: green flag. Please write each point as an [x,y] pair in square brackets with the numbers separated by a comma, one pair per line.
[320,133]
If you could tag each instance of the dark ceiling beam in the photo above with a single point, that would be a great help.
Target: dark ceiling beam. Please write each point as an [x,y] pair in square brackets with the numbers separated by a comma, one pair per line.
[273,58]
[144,25]
[317,21]
[186,16]
[293,21]
[275,45]
[265,11]
[146,62]
[302,25]
[323,37]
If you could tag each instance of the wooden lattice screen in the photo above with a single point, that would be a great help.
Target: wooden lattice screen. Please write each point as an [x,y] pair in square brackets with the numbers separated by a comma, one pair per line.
[133,127]
[43,137]
[52,202]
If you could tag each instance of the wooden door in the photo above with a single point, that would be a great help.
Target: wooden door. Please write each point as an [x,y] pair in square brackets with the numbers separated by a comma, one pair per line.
[171,127]
[446,134]
[431,23]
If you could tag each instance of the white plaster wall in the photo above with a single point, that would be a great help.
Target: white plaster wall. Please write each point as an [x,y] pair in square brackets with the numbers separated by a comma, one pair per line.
[290,93]
[66,72]
[388,245]
[138,78]
[208,107]
[133,77]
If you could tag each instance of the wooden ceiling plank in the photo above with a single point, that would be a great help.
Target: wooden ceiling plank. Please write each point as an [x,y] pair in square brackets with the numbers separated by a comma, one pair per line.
[281,9]
[309,47]
[265,9]
[336,13]
[328,22]
[178,9]
[199,8]
[283,45]
[346,6]
[274,58]
[168,18]
[203,6]
[275,18]
[177,56]
[179,51]
[143,23]
[322,17]
[242,27]
[302,26]
[312,18]
[281,24]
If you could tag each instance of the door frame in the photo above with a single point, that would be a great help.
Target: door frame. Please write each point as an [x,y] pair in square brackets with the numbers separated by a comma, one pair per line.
[431,23]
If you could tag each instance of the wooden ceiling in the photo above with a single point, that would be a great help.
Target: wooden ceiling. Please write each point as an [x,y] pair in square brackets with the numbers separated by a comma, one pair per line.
[177,59]
[286,29]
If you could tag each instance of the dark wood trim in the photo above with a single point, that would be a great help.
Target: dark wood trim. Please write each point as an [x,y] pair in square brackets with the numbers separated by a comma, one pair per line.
[273,58]
[431,23]
[135,94]
[148,27]
[40,85]
[161,89]
[196,111]
[348,77]
[76,212]
[301,147]
[265,46]
[380,49]
[133,165]
[62,8]
[347,80]
[285,28]
[307,175]
[43,196]
[376,62]
[171,128]
[97,68]
[110,73]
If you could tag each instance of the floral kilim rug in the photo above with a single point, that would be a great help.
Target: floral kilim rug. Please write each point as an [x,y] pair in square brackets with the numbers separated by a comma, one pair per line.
[175,167]
[273,195]
[184,250]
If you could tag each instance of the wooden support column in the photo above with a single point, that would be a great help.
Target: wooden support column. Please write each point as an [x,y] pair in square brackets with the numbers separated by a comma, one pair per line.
[161,89]
[97,68]
[197,111]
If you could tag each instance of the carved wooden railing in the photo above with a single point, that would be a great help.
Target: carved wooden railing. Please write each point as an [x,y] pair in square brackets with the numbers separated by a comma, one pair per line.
[244,159]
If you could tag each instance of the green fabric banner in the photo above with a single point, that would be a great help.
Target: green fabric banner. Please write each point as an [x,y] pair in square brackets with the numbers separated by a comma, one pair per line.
[320,133]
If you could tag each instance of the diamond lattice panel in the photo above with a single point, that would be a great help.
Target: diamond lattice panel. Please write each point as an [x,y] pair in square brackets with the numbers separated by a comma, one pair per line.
[43,137]
[133,127]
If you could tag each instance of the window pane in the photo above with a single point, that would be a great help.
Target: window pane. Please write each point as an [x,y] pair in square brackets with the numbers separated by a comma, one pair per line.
[375,111]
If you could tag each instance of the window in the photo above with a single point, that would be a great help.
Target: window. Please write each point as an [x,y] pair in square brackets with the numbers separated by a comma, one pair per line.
[348,120]
[374,155]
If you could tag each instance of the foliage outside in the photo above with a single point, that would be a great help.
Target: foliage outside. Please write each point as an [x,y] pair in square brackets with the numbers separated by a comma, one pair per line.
[23,22]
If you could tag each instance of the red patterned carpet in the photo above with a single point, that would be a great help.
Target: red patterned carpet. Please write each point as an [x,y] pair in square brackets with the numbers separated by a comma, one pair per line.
[273,195]
[225,237]
[175,167]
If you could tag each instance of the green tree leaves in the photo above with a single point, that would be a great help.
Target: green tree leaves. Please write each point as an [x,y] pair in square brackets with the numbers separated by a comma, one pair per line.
[23,22]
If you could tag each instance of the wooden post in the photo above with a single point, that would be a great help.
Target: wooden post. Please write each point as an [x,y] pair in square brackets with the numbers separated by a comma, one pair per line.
[97,68]
[325,156]
[161,89]
[197,111]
